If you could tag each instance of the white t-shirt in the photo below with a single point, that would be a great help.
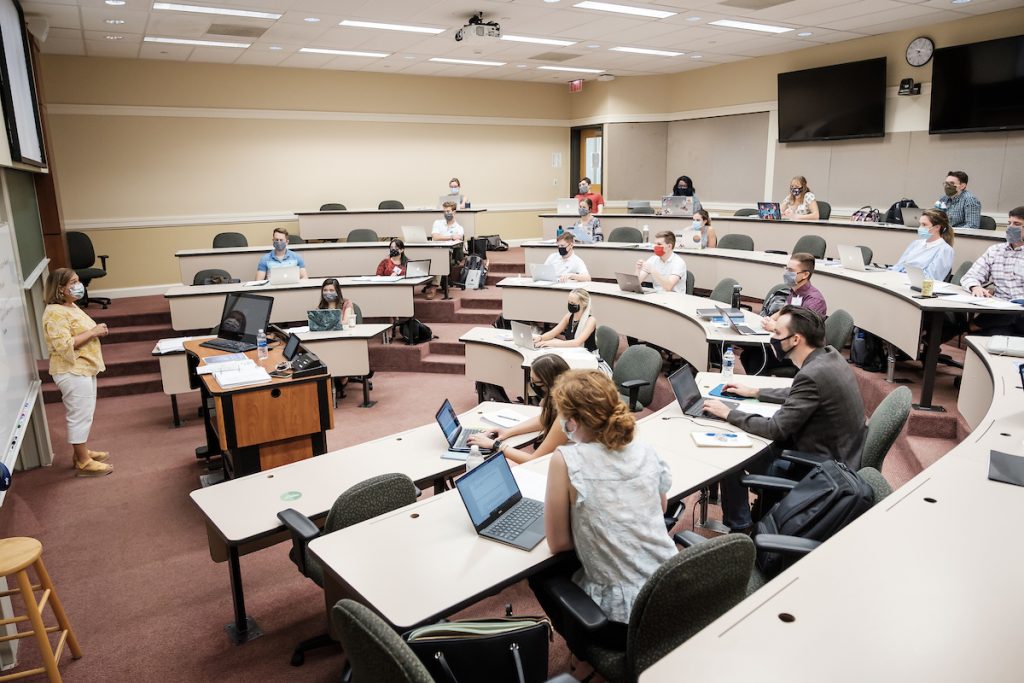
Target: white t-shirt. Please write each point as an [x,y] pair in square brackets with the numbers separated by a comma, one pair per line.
[674,266]
[446,232]
[573,265]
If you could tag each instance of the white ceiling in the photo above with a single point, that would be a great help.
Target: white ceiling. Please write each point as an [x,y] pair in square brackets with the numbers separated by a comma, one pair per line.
[78,27]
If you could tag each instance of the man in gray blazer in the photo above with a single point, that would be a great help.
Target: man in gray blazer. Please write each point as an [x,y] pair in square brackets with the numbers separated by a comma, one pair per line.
[822,411]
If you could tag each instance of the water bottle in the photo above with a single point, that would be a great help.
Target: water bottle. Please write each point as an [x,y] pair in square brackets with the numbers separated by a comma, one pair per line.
[350,319]
[474,458]
[558,233]
[728,364]
[647,234]
[261,345]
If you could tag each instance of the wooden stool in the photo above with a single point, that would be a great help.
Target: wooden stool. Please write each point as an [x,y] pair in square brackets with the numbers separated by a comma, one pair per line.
[16,556]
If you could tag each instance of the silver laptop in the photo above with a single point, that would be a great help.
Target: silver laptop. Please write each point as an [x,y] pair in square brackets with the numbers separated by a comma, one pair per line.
[413,234]
[911,216]
[852,258]
[629,283]
[324,319]
[543,272]
[522,335]
[417,269]
[496,505]
[672,205]
[738,329]
[457,198]
[283,275]
[567,206]
[916,277]
[453,430]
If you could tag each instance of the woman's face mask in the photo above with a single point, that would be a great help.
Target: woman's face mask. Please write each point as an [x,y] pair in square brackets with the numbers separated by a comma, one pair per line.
[584,210]
[394,252]
[453,189]
[77,290]
[573,308]
[795,191]
[569,433]
[330,296]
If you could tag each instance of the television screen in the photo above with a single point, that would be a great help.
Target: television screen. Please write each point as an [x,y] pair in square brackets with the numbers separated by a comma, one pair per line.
[833,102]
[978,87]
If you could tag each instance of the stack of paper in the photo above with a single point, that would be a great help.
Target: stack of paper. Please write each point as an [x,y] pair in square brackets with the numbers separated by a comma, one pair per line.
[504,418]
[379,278]
[171,345]
[255,283]
[242,377]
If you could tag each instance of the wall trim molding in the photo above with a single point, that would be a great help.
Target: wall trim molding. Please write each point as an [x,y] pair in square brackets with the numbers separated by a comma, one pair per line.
[124,292]
[711,112]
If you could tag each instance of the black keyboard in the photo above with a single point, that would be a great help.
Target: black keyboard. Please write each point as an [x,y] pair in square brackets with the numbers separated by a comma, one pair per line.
[229,345]
[518,519]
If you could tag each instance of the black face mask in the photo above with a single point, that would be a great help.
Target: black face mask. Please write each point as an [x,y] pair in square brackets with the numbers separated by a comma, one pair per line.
[538,389]
[394,252]
[573,308]
[563,251]
[777,346]
[683,192]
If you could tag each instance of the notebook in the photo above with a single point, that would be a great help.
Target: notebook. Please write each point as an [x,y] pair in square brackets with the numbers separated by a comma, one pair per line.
[497,508]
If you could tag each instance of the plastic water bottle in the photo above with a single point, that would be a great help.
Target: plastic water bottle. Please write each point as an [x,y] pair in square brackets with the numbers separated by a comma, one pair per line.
[474,458]
[558,233]
[728,364]
[350,319]
[261,345]
[647,234]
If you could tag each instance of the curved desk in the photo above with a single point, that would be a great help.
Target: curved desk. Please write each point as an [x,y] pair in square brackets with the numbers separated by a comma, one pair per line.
[322,260]
[332,225]
[925,586]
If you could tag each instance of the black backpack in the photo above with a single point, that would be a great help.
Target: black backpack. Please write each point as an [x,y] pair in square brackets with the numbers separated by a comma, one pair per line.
[473,262]
[867,351]
[895,214]
[415,332]
[501,323]
[822,503]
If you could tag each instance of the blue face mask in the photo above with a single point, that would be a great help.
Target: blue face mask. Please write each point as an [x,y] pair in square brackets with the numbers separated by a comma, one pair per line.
[77,290]
[280,245]
[453,190]
[923,232]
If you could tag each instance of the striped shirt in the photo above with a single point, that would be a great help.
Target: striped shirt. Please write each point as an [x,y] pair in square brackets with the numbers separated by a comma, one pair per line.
[963,210]
[1003,266]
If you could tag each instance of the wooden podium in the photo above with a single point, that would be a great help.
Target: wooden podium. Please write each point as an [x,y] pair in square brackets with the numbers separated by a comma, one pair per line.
[263,426]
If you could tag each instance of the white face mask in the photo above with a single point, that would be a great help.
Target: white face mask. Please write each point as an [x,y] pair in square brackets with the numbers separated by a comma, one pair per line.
[77,290]
[569,434]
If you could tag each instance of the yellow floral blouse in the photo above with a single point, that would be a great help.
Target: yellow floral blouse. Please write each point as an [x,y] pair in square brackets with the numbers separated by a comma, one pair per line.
[61,324]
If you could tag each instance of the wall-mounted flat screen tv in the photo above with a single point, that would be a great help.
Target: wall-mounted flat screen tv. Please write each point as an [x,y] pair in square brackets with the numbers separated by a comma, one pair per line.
[833,102]
[978,87]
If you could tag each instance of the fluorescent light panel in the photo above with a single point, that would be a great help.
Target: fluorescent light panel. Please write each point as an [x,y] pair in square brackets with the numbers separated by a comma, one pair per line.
[343,53]
[572,68]
[746,25]
[472,62]
[539,41]
[647,51]
[186,41]
[175,7]
[624,9]
[390,27]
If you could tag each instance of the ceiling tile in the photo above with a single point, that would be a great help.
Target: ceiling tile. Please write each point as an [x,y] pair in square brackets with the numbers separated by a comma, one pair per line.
[58,16]
[108,48]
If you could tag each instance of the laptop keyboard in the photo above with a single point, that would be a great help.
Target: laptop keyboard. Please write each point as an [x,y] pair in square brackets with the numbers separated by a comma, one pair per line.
[229,345]
[518,519]
[466,433]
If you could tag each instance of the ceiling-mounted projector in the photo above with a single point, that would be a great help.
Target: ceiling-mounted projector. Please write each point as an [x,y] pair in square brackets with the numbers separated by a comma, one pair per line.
[478,29]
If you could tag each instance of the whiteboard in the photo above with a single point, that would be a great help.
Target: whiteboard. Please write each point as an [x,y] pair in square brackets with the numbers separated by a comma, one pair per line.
[17,364]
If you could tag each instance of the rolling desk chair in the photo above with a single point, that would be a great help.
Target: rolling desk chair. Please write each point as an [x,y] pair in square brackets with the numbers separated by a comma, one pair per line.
[745,212]
[626,234]
[390,205]
[210,276]
[83,257]
[987,223]
[736,241]
[374,650]
[607,344]
[333,206]
[639,207]
[634,375]
[226,240]
[363,235]
[824,210]
[295,239]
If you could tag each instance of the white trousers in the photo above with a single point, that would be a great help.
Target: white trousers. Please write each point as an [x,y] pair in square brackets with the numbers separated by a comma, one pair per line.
[79,395]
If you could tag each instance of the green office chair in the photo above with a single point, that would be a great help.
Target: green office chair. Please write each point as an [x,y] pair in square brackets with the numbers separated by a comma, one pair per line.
[824,210]
[838,329]
[626,234]
[639,207]
[681,597]
[295,239]
[635,373]
[811,244]
[736,241]
[957,275]
[227,240]
[745,212]
[987,223]
[390,205]
[375,651]
[366,500]
[723,291]
[333,206]
[691,281]
[363,235]
[867,254]
[607,344]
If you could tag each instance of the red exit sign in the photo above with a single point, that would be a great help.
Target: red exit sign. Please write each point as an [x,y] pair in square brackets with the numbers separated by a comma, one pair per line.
[576,86]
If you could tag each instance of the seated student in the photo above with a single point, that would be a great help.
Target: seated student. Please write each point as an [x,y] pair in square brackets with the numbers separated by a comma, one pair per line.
[396,262]
[330,297]
[577,325]
[1003,265]
[606,500]
[596,200]
[666,268]
[933,251]
[280,256]
[447,229]
[455,190]
[544,374]
[684,188]
[568,265]
[800,203]
[588,228]
[700,234]
[962,207]
[822,411]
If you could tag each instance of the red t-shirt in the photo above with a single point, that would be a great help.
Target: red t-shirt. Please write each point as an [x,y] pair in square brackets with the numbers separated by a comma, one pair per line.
[594,197]
[388,267]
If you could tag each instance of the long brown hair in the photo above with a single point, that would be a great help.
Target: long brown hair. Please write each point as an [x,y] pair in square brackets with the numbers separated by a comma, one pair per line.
[940,219]
[55,285]
[592,399]
[337,288]
[548,368]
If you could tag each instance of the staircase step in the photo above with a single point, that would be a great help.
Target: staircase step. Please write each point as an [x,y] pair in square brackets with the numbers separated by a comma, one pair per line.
[125,385]
[137,333]
[448,348]
[130,358]
[479,302]
[478,316]
[445,365]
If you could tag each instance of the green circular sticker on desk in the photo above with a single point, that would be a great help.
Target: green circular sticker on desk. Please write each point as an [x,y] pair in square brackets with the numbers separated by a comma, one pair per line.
[291,495]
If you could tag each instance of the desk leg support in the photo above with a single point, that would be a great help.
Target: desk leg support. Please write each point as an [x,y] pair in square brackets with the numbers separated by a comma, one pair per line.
[705,523]
[174,410]
[242,629]
[367,403]
[931,357]
[444,286]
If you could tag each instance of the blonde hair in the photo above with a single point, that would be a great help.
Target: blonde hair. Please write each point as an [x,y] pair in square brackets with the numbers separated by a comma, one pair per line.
[584,297]
[55,284]
[591,398]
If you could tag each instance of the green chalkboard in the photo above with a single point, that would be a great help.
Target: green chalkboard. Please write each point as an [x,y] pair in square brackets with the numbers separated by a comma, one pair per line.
[25,219]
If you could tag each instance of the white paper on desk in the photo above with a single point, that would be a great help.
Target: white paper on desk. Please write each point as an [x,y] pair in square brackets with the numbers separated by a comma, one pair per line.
[243,377]
[232,366]
[169,345]
[379,278]
[531,484]
[504,418]
[984,302]
[297,330]
[577,358]
[721,439]
[255,283]
[758,408]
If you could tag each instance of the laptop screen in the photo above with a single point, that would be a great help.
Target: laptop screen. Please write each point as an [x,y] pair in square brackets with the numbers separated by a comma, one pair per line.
[684,387]
[448,421]
[486,488]
[243,316]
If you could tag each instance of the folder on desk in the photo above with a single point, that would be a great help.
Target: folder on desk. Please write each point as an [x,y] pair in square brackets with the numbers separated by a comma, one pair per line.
[1006,468]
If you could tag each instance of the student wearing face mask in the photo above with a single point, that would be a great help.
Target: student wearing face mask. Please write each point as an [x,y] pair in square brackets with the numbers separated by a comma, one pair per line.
[684,188]
[544,374]
[1003,266]
[446,228]
[700,235]
[596,200]
[396,262]
[800,203]
[588,228]
[932,252]
[280,256]
[330,298]
[822,411]
[73,342]
[568,266]
[666,269]
[455,192]
[962,207]
[577,326]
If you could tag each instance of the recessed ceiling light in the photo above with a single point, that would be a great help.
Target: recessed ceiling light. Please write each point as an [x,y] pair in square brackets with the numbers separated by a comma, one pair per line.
[115,3]
[647,51]
[696,56]
[186,41]
[391,27]
[275,48]
[114,37]
[539,41]
[804,34]
[624,9]
[551,2]
[693,18]
[311,20]
[572,68]
[408,56]
[961,2]
[749,26]
[593,46]
[523,66]
[472,62]
[175,7]
[114,22]
[343,53]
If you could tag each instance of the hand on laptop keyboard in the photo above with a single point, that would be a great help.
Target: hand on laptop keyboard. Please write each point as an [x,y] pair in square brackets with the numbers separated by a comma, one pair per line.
[715,407]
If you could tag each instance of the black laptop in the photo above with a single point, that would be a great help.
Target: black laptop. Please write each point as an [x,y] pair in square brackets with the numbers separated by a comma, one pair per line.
[244,315]
[497,507]
[684,386]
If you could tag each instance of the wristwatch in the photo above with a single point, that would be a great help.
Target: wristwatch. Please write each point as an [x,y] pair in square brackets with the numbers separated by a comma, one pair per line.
[496,446]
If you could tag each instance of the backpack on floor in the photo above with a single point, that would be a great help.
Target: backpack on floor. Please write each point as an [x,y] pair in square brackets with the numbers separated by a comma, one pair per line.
[491,392]
[867,352]
[895,214]
[474,273]
[501,323]
[415,332]
[494,242]
[822,503]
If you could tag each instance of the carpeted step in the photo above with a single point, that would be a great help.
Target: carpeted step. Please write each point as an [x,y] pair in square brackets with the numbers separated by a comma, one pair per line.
[447,348]
[137,333]
[130,358]
[446,365]
[126,385]
[492,303]
[478,316]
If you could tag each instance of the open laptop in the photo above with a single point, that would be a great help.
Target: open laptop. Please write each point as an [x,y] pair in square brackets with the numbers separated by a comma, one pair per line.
[671,205]
[629,283]
[522,335]
[738,328]
[916,277]
[684,386]
[283,275]
[497,507]
[457,198]
[243,316]
[413,234]
[417,269]
[324,319]
[911,216]
[769,211]
[543,272]
[852,258]
[567,206]
[453,429]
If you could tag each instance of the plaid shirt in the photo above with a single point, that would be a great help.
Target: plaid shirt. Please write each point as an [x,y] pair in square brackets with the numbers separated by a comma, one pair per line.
[963,210]
[1003,266]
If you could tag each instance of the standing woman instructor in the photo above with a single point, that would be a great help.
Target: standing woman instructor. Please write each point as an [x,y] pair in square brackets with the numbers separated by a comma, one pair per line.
[72,339]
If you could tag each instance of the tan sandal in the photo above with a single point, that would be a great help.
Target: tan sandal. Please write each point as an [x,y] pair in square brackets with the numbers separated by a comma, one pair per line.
[92,469]
[99,456]
[432,292]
